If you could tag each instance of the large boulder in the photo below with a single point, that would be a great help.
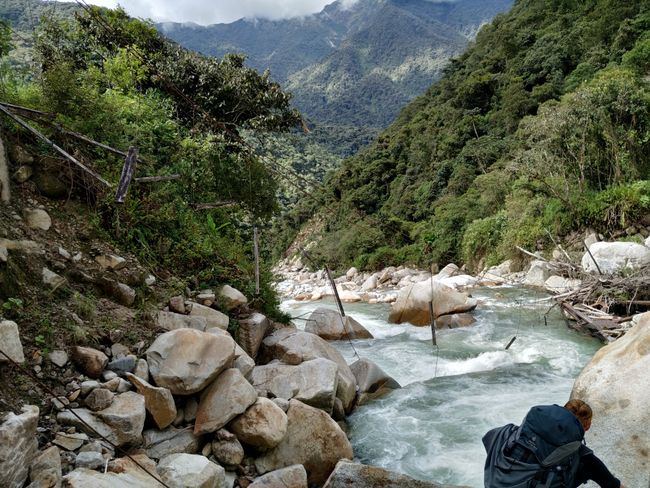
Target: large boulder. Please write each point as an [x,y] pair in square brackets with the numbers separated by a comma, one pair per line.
[251,333]
[263,425]
[291,346]
[313,382]
[291,477]
[313,439]
[615,385]
[328,324]
[616,257]
[186,360]
[231,297]
[373,382]
[412,304]
[158,401]
[85,478]
[538,272]
[191,471]
[228,396]
[455,320]
[160,443]
[347,474]
[243,362]
[121,423]
[10,342]
[18,446]
[173,321]
[45,470]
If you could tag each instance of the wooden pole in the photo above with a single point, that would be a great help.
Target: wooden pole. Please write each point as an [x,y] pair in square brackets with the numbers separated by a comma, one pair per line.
[256,248]
[336,292]
[592,258]
[127,174]
[63,153]
[433,325]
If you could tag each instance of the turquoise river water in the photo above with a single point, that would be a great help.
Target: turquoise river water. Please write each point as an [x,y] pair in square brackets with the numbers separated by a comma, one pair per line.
[431,429]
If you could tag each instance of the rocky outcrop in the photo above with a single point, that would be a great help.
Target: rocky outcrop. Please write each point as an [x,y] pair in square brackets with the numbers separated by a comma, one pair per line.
[230,395]
[412,303]
[291,477]
[185,360]
[616,257]
[10,342]
[373,382]
[313,439]
[191,471]
[614,384]
[328,324]
[347,474]
[45,470]
[18,446]
[313,382]
[263,425]
[294,347]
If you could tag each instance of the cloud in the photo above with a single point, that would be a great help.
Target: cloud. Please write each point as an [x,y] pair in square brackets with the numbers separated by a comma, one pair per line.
[217,11]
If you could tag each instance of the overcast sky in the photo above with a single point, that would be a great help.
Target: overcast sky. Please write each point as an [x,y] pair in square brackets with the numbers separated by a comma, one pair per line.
[216,11]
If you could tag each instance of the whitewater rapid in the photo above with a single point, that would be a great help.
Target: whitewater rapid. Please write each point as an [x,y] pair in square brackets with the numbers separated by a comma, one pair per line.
[431,429]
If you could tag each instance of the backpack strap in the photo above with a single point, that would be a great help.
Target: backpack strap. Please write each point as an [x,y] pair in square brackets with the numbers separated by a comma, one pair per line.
[559,454]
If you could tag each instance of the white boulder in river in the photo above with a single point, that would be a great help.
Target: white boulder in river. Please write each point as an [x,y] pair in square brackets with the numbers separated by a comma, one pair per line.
[331,326]
[615,385]
[348,474]
[615,257]
[187,360]
[412,304]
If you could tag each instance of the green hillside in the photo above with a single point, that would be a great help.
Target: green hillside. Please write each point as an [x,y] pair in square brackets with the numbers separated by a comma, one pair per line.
[539,128]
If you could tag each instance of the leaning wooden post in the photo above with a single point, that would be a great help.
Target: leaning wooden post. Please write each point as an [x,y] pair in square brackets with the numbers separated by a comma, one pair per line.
[127,174]
[592,258]
[256,248]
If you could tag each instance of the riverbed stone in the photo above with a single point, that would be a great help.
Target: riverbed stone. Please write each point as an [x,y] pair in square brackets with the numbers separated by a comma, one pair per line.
[455,320]
[90,361]
[538,272]
[370,283]
[70,442]
[227,449]
[158,401]
[263,425]
[616,257]
[37,218]
[290,477]
[191,471]
[213,317]
[313,382]
[348,474]
[85,478]
[45,471]
[58,358]
[331,326]
[186,360]
[89,460]
[231,297]
[559,284]
[99,399]
[160,443]
[18,446]
[412,304]
[372,381]
[313,439]
[228,396]
[292,346]
[614,383]
[10,341]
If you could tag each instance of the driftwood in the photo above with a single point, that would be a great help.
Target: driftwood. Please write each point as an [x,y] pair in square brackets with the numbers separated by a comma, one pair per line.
[62,152]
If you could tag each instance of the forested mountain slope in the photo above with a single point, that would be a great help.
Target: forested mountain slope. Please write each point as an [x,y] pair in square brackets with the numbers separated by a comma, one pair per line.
[539,128]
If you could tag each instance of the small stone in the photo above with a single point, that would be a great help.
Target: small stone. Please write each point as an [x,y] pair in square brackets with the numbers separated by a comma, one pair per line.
[99,399]
[228,452]
[4,254]
[94,446]
[59,358]
[77,257]
[159,402]
[109,375]
[69,442]
[51,279]
[88,386]
[74,395]
[60,402]
[64,254]
[37,218]
[23,173]
[150,280]
[191,407]
[91,361]
[123,386]
[119,350]
[141,369]
[231,297]
[10,341]
[110,262]
[89,460]
[177,304]
[123,365]
[282,403]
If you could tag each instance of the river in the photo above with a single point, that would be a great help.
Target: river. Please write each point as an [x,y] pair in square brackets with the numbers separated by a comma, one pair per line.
[431,429]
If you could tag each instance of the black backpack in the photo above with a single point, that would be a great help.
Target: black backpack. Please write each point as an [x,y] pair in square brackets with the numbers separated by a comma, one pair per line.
[543,452]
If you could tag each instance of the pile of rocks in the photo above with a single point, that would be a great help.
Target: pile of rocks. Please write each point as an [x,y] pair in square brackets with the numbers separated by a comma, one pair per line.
[196,409]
